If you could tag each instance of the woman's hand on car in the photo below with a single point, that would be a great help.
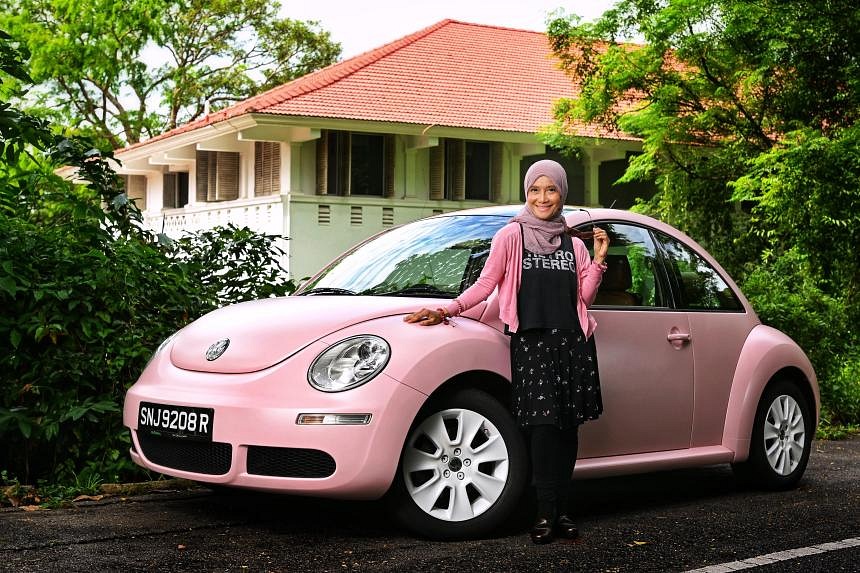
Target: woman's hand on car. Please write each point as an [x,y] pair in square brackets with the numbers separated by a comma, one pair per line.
[427,317]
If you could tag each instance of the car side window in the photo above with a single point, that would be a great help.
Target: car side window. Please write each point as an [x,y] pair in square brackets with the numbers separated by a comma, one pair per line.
[699,285]
[632,278]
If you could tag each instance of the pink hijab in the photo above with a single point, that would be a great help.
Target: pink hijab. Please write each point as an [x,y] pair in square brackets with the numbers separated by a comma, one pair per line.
[543,237]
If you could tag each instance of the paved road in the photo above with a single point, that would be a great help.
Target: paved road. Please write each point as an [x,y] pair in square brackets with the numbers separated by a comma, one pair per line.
[672,521]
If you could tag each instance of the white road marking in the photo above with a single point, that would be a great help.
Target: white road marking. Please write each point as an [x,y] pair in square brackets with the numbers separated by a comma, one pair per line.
[779,556]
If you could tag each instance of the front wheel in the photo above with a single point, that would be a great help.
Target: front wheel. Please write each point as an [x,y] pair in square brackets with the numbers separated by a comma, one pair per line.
[462,470]
[781,438]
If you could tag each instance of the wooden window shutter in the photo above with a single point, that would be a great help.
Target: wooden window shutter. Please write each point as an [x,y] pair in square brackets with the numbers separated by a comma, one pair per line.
[267,168]
[202,175]
[344,163]
[437,171]
[388,167]
[170,183]
[496,159]
[212,176]
[322,163]
[458,167]
[227,187]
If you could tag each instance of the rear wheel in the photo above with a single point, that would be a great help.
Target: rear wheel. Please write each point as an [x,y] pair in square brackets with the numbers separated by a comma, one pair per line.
[781,438]
[462,470]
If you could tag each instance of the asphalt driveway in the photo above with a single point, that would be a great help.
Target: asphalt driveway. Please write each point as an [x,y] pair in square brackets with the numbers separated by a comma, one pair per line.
[670,521]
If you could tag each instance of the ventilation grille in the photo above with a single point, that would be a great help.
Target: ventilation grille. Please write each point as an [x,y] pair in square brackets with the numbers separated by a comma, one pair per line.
[212,458]
[387,216]
[323,215]
[437,211]
[355,216]
[289,462]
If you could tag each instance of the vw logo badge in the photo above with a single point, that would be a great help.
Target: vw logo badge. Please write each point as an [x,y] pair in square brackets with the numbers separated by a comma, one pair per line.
[217,349]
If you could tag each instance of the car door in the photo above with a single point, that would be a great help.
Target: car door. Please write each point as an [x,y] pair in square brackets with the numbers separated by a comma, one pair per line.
[643,351]
[719,325]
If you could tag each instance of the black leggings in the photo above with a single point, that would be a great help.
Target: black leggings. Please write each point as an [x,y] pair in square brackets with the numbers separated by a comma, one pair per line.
[553,454]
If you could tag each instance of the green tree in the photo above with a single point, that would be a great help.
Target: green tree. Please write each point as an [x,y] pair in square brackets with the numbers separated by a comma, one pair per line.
[87,294]
[747,110]
[125,70]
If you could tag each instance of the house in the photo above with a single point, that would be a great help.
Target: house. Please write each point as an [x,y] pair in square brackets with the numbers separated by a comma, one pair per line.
[443,119]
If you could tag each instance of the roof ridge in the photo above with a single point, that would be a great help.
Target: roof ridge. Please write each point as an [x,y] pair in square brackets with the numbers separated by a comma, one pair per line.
[497,27]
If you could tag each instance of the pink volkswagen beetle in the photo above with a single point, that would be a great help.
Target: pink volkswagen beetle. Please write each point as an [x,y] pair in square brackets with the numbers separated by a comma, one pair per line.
[329,393]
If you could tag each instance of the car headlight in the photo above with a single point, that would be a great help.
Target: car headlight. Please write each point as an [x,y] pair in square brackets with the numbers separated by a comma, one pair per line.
[349,363]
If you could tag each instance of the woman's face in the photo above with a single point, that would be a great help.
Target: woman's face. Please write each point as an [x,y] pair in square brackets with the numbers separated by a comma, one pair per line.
[543,198]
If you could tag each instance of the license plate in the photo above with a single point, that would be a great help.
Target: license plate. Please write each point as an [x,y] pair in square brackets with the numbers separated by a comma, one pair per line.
[184,422]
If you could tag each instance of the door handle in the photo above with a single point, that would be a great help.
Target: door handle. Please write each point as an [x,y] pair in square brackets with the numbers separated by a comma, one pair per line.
[677,338]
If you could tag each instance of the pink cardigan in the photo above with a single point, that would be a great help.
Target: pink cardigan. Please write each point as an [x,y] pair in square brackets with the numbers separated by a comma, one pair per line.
[504,269]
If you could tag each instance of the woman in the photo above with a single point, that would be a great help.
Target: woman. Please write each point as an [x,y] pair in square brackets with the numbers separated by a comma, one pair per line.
[546,282]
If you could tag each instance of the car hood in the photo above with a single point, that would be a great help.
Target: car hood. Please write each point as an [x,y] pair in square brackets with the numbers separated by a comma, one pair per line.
[264,332]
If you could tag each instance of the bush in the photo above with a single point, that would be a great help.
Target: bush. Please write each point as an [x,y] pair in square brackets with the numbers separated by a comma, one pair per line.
[83,310]
[841,394]
[785,296]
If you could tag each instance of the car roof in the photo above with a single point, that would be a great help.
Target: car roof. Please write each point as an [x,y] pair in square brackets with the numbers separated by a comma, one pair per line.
[576,215]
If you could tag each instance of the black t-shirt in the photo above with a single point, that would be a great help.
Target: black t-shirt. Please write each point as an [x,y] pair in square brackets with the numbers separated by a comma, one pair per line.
[548,289]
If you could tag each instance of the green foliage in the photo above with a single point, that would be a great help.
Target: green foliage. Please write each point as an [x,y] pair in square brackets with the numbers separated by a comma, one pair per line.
[785,294]
[805,195]
[91,59]
[842,393]
[87,295]
[224,259]
[747,113]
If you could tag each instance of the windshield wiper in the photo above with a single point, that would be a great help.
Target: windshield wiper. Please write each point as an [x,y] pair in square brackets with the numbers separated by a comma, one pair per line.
[417,289]
[327,290]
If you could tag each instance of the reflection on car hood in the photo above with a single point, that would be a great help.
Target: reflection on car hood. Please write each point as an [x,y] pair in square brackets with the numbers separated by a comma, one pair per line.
[265,332]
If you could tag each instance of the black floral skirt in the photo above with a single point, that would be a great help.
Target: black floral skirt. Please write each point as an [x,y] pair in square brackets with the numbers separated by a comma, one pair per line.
[554,378]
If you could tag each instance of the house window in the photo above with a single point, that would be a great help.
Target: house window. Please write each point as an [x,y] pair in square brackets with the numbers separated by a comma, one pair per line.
[175,190]
[478,170]
[135,189]
[217,175]
[465,170]
[354,164]
[267,168]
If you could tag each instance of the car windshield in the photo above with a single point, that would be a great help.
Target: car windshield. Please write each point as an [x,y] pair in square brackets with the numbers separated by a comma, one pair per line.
[435,257]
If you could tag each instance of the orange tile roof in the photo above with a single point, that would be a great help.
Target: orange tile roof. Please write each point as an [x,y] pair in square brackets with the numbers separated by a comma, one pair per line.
[452,74]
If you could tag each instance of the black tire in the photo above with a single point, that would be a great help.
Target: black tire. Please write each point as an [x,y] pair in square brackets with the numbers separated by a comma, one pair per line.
[473,438]
[783,427]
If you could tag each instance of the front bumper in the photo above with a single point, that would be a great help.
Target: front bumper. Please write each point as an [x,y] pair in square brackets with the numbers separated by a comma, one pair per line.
[256,440]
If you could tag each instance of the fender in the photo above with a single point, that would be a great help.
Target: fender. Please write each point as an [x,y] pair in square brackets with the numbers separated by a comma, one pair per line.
[425,357]
[765,352]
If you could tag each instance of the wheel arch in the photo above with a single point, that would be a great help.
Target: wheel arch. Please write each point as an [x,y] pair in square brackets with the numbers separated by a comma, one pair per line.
[768,355]
[492,383]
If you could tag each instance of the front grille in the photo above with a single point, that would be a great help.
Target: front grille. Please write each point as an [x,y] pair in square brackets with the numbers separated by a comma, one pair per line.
[212,458]
[289,462]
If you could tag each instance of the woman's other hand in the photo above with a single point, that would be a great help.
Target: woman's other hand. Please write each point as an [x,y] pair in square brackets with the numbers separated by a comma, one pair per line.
[601,245]
[426,317]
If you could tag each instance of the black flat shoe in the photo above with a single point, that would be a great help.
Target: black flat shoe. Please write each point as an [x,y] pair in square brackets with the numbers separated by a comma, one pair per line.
[541,531]
[566,527]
